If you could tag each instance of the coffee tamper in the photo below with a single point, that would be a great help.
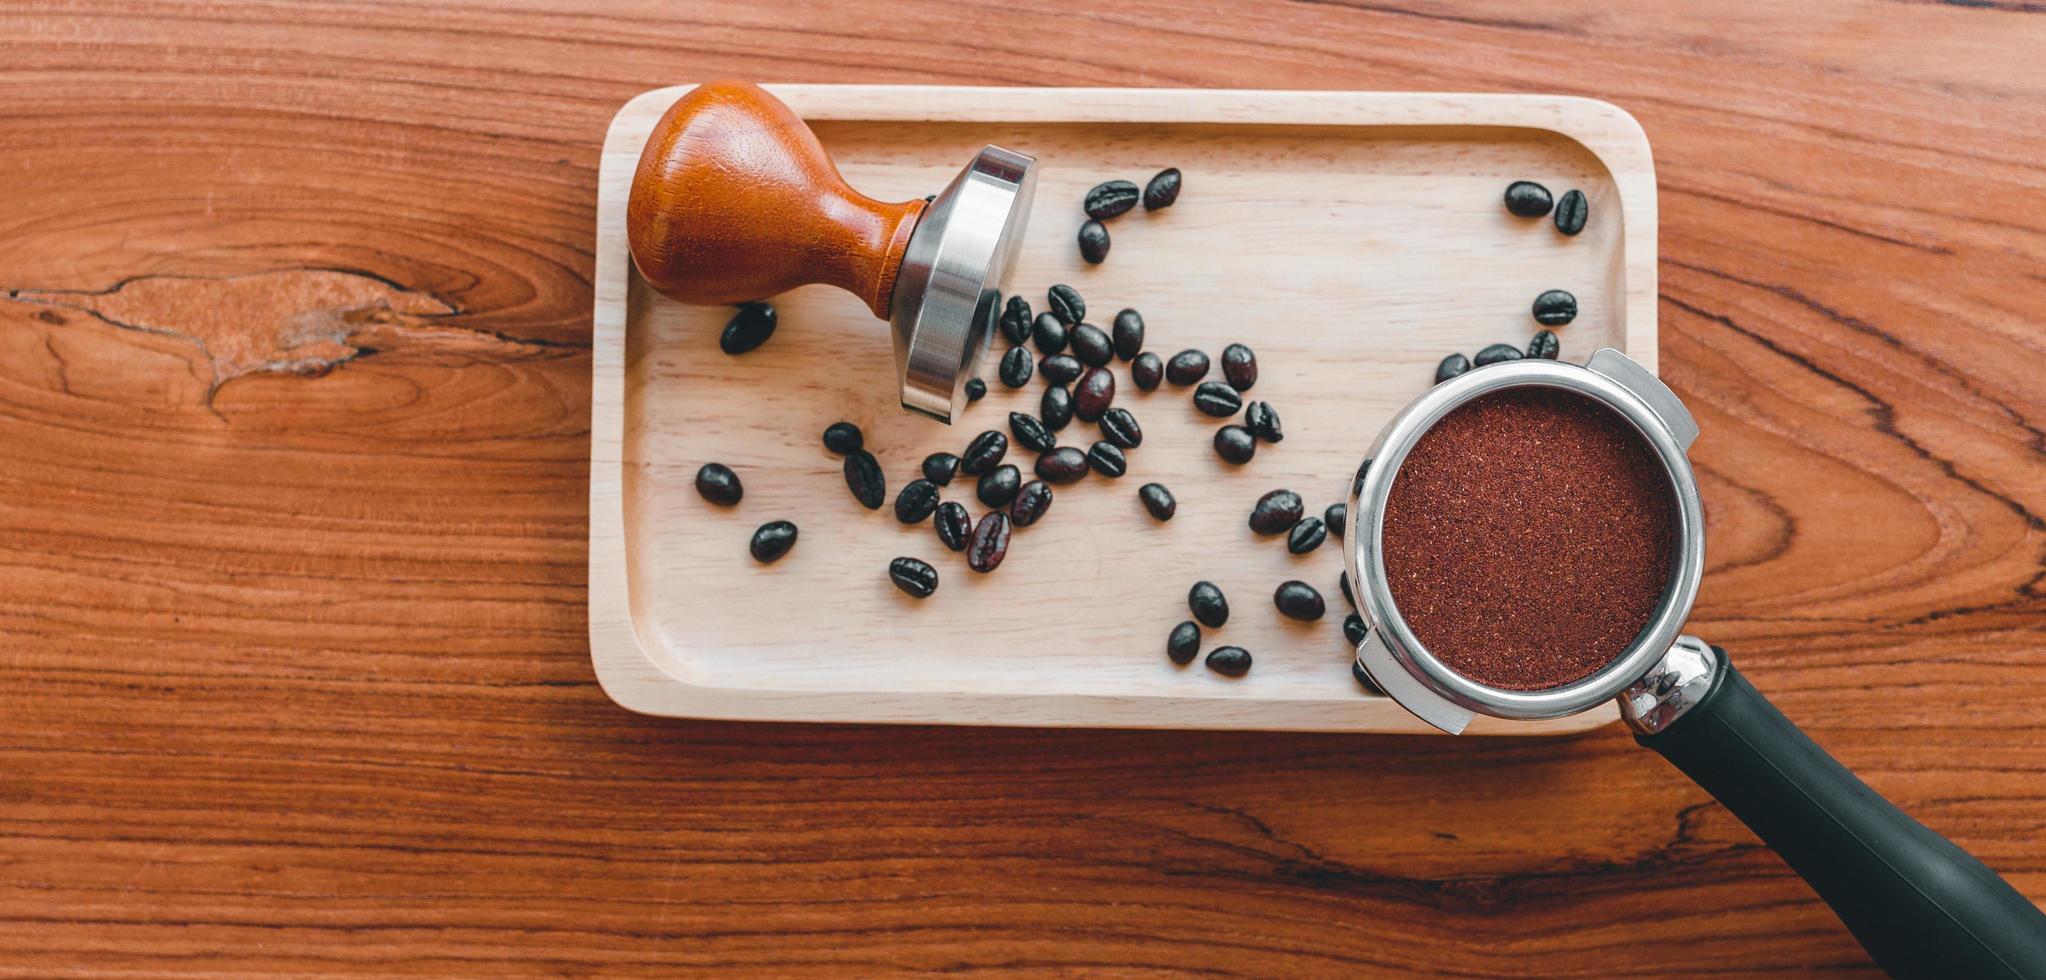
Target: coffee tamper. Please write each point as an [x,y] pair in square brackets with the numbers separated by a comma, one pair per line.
[736,200]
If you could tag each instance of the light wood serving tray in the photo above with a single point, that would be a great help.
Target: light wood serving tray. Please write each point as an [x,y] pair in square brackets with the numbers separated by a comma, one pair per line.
[1351,238]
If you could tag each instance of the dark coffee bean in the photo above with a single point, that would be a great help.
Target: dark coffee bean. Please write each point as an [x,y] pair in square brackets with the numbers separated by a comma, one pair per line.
[976,390]
[1298,600]
[1239,366]
[1306,535]
[1147,370]
[719,485]
[917,578]
[1343,579]
[1048,334]
[916,501]
[1545,344]
[1235,444]
[1030,504]
[772,540]
[1015,321]
[1276,512]
[748,328]
[843,437]
[1337,519]
[1555,308]
[863,477]
[1016,367]
[1364,679]
[1162,190]
[1263,421]
[1496,353]
[1528,199]
[1107,460]
[1129,334]
[999,485]
[1030,433]
[981,455]
[1158,501]
[1093,241]
[939,467]
[1120,427]
[990,543]
[1093,395]
[1063,465]
[1060,369]
[1357,482]
[1571,212]
[954,524]
[1066,304]
[1229,661]
[1217,399]
[1186,367]
[1354,629]
[1110,198]
[1451,366]
[1184,643]
[1092,346]
[1208,605]
[1056,406]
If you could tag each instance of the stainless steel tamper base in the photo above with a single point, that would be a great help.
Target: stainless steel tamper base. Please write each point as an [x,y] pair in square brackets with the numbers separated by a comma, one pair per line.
[948,291]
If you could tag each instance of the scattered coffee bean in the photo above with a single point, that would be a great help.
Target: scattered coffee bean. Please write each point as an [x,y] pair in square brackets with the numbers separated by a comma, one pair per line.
[1094,393]
[1092,346]
[1276,512]
[772,540]
[718,484]
[1364,679]
[1235,444]
[1000,485]
[981,455]
[1451,366]
[1158,501]
[1239,366]
[1545,344]
[990,543]
[939,467]
[976,390]
[1306,535]
[1528,199]
[1357,482]
[1056,406]
[1354,629]
[1060,369]
[1186,367]
[1066,304]
[1093,241]
[1337,519]
[748,328]
[1107,460]
[1049,334]
[1063,465]
[915,577]
[1495,354]
[1110,198]
[1129,334]
[1555,308]
[1031,434]
[1147,370]
[1016,367]
[1263,421]
[1298,600]
[955,525]
[1217,399]
[1184,643]
[1030,504]
[843,437]
[1120,427]
[1343,580]
[1229,661]
[1571,212]
[1015,322]
[863,477]
[916,501]
[1208,605]
[1162,190]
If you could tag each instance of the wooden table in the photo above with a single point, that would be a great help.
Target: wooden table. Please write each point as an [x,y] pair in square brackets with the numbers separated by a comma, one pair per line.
[294,421]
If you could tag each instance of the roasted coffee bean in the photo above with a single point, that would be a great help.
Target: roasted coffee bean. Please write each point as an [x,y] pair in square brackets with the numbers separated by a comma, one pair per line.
[1129,334]
[1030,504]
[1263,421]
[1162,190]
[1276,512]
[1120,427]
[1239,366]
[1451,366]
[1235,444]
[1217,399]
[1364,679]
[916,501]
[1354,629]
[1063,465]
[1555,308]
[915,577]
[1229,661]
[981,455]
[863,477]
[1056,406]
[1093,395]
[1184,643]
[1061,369]
[1147,370]
[748,328]
[1545,344]
[1107,460]
[718,484]
[843,437]
[1336,518]
[1571,212]
[1186,367]
[999,485]
[1208,605]
[1066,303]
[1110,198]
[1158,501]
[1015,321]
[1343,579]
[954,524]
[1357,482]
[1306,535]
[1017,367]
[1093,241]
[939,467]
[990,543]
[1298,600]
[1048,334]
[976,390]
[1528,199]
[1031,434]
[1092,346]
[772,540]
[1496,353]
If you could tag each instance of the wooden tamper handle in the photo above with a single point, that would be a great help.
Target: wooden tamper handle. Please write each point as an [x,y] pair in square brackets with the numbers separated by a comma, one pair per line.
[735,200]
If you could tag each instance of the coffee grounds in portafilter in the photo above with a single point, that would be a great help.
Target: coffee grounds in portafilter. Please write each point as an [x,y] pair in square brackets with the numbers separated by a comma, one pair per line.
[1528,538]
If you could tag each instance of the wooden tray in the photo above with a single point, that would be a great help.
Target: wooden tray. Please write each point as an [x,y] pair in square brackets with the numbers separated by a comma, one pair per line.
[1351,238]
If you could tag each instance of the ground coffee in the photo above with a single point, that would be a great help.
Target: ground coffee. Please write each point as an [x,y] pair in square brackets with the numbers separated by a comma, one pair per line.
[1528,538]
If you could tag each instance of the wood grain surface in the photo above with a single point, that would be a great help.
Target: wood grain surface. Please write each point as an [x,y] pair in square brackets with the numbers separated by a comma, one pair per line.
[294,420]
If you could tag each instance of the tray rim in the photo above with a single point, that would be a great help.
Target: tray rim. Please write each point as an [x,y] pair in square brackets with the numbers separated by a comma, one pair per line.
[635,680]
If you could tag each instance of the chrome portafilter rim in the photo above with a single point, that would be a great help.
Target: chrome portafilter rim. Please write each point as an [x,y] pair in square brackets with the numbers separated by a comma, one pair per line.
[1398,662]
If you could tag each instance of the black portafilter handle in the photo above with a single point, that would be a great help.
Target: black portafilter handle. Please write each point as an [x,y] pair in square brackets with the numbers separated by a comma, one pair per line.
[1921,906]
